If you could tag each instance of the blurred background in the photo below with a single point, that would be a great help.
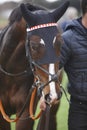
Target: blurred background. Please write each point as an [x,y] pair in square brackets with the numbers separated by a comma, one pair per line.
[6,6]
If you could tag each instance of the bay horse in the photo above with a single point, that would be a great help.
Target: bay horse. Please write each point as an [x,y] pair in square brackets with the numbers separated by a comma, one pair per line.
[16,71]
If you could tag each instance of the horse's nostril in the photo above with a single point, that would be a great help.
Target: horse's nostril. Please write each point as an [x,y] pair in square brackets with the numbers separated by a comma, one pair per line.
[47,97]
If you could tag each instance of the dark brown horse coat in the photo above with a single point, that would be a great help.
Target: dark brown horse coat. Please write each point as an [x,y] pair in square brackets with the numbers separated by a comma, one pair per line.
[15,72]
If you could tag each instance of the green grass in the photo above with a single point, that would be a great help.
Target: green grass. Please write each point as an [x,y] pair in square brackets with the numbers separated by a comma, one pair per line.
[3,23]
[62,114]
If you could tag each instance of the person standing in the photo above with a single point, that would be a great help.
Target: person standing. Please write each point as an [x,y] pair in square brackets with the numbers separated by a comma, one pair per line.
[74,60]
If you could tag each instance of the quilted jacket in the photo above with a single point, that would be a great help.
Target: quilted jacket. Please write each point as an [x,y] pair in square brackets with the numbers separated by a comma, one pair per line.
[74,58]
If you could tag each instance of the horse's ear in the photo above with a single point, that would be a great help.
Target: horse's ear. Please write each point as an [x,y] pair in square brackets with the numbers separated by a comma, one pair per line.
[57,13]
[33,7]
[27,14]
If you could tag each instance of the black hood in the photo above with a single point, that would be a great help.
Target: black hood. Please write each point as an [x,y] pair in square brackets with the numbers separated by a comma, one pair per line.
[41,17]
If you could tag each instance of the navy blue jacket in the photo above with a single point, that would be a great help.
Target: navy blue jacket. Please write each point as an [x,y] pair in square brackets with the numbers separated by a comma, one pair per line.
[74,58]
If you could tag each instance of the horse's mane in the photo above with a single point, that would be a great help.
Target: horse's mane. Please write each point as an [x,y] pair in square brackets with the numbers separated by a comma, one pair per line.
[16,14]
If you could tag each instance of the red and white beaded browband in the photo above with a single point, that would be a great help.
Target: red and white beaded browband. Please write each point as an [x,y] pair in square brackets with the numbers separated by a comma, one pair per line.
[41,26]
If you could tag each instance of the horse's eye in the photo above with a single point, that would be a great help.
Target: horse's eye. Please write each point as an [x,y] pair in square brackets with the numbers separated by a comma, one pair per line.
[37,47]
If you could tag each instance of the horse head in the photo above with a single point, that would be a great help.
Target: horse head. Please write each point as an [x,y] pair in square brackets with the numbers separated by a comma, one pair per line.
[47,76]
[44,48]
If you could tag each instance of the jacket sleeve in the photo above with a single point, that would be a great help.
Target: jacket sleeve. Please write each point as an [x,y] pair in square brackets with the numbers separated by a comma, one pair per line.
[65,49]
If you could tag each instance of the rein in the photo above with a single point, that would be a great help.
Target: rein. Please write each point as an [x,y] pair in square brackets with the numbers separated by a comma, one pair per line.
[31,106]
[5,116]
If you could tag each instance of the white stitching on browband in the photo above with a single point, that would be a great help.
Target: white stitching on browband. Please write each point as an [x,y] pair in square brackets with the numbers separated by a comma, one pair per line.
[41,26]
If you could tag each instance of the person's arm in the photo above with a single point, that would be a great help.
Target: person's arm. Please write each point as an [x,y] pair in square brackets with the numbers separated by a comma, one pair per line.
[65,49]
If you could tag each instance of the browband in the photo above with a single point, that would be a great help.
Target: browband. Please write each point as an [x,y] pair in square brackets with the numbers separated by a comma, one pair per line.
[41,26]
